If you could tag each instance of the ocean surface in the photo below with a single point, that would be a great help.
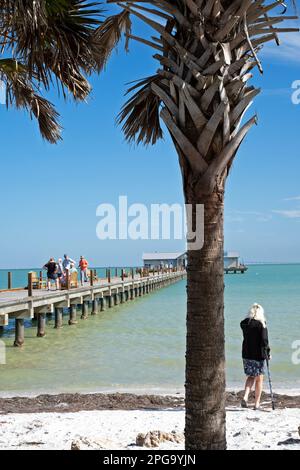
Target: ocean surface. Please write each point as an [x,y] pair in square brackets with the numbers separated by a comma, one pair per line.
[140,346]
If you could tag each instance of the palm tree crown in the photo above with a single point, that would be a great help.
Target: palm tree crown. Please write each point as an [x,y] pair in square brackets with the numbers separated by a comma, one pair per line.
[205,50]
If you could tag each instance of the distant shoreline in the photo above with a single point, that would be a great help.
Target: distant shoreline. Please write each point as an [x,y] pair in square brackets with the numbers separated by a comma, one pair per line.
[247,263]
[271,263]
[136,391]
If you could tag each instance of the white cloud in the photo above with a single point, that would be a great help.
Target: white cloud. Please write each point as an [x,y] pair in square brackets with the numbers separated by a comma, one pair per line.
[289,49]
[292,214]
[295,198]
[236,216]
[232,218]
[246,212]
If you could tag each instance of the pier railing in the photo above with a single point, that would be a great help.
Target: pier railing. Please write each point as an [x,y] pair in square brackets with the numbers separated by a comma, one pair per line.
[37,279]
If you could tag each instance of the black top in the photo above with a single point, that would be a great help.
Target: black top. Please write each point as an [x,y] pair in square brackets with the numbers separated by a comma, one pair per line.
[256,343]
[51,267]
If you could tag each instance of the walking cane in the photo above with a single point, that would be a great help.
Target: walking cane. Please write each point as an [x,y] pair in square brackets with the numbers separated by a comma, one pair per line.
[270,385]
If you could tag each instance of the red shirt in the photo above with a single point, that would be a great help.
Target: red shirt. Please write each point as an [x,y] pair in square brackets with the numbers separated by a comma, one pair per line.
[83,264]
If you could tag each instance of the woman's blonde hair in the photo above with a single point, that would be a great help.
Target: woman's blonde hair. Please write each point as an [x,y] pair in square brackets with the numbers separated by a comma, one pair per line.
[256,312]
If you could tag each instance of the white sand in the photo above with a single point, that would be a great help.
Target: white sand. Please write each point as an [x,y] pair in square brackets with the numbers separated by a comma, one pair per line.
[246,429]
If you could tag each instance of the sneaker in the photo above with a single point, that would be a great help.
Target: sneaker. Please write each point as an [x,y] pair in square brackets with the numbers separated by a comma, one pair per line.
[244,403]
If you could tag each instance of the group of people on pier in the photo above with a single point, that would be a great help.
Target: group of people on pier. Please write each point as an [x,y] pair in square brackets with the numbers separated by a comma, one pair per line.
[58,271]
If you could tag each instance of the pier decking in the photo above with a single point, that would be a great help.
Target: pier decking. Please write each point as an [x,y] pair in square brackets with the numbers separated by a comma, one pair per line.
[23,304]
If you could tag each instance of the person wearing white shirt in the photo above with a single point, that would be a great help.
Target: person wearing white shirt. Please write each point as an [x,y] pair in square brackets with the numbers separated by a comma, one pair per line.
[67,263]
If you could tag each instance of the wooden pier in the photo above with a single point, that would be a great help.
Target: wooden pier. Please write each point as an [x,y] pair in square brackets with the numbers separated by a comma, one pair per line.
[20,304]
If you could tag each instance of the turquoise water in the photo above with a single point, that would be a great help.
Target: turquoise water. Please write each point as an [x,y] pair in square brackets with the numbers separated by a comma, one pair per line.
[141,344]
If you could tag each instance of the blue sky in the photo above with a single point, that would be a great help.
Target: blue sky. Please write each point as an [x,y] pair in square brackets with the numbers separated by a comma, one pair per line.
[49,194]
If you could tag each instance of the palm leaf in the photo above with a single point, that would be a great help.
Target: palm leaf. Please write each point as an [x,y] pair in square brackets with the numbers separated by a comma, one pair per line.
[108,35]
[20,92]
[140,114]
[53,37]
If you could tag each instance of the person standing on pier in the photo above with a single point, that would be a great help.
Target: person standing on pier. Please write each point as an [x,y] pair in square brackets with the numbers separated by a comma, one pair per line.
[60,271]
[83,265]
[73,268]
[51,267]
[255,351]
[67,263]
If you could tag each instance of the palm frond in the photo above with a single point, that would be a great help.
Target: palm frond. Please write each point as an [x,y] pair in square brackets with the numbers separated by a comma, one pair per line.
[69,78]
[21,93]
[140,114]
[53,37]
[109,34]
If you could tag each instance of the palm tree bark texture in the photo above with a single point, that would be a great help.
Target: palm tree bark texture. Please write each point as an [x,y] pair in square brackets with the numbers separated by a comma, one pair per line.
[205,51]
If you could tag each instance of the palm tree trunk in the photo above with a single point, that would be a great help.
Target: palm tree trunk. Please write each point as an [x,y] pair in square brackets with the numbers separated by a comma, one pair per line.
[205,356]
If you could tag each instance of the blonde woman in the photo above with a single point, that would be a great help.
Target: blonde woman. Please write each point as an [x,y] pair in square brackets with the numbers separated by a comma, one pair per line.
[255,351]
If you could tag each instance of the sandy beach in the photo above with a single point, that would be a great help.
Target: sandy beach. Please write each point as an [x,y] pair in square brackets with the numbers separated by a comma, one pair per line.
[113,421]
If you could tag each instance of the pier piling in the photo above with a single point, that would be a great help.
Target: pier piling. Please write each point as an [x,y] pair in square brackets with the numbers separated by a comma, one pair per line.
[132,293]
[41,326]
[19,332]
[58,313]
[85,310]
[41,280]
[9,280]
[73,314]
[30,286]
[103,304]
[95,306]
